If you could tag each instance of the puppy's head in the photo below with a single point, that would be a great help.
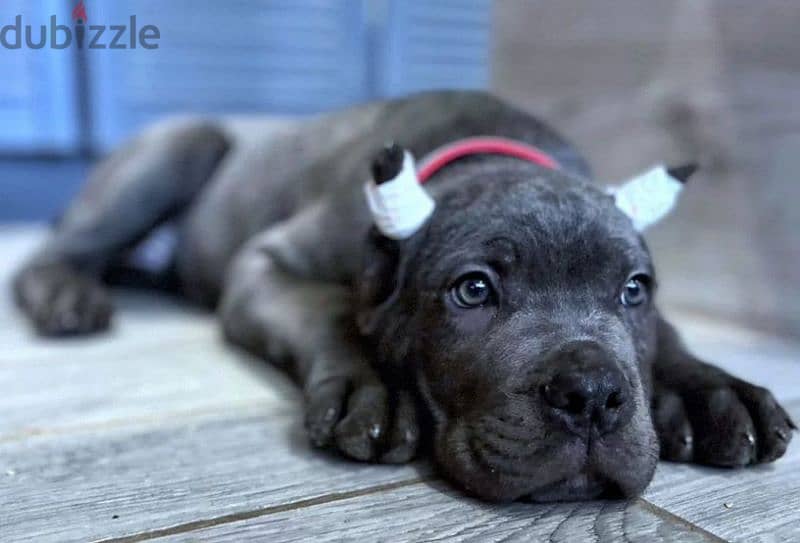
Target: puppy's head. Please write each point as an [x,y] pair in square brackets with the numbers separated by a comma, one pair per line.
[522,313]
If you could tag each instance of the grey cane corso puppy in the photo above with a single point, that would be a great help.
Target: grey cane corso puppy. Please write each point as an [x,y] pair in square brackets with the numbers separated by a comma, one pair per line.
[514,336]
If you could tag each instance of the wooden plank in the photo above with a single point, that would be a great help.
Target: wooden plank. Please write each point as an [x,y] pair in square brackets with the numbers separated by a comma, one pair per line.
[424,513]
[84,486]
[112,381]
[754,504]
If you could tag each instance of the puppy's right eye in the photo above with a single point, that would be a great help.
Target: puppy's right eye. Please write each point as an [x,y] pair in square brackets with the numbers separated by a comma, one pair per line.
[472,290]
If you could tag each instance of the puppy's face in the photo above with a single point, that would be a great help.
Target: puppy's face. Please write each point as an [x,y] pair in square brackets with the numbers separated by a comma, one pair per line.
[524,314]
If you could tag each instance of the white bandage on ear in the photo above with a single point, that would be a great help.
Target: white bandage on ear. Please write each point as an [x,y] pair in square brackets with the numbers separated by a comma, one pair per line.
[648,197]
[399,206]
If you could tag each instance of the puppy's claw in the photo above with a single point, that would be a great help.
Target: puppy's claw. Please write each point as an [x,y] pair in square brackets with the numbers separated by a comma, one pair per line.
[324,407]
[358,434]
[330,415]
[375,431]
[404,437]
[356,439]
[672,426]
[767,416]
[723,428]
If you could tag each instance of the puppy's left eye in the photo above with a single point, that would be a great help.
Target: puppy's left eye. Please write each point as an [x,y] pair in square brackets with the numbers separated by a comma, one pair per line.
[635,290]
[472,290]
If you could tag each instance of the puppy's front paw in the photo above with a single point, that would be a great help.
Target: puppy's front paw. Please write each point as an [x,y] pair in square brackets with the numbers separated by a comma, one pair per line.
[732,424]
[61,302]
[362,421]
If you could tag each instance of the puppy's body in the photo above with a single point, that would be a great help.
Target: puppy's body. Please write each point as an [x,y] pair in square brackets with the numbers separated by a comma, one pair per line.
[274,230]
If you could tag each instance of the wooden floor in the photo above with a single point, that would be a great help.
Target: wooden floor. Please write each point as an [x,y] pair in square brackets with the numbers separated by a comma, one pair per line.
[159,432]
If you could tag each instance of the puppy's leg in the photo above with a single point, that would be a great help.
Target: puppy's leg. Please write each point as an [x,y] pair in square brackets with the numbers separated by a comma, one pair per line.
[275,307]
[705,415]
[136,188]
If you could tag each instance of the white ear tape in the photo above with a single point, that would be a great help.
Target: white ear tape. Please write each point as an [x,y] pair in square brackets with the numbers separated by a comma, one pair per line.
[399,206]
[648,197]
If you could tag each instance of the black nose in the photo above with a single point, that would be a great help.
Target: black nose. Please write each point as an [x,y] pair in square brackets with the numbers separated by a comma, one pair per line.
[588,390]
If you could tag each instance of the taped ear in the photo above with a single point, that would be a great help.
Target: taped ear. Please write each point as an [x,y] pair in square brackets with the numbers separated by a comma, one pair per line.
[398,203]
[399,207]
[648,197]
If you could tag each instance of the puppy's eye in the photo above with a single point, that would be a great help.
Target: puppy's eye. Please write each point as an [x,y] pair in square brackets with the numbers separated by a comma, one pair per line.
[472,290]
[635,291]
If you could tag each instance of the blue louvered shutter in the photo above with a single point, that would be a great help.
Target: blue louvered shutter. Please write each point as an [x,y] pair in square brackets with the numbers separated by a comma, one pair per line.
[227,56]
[433,44]
[38,103]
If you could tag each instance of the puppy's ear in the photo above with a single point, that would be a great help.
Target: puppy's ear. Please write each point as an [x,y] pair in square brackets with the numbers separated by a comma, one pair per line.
[381,279]
[400,207]
[648,197]
[397,201]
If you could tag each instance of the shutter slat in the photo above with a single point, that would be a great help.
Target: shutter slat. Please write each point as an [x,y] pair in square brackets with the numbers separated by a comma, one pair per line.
[433,44]
[215,57]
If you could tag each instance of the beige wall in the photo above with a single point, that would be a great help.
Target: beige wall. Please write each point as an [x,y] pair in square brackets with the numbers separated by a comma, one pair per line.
[635,82]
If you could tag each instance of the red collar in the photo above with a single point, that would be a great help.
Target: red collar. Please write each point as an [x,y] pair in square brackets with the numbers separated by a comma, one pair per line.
[480,146]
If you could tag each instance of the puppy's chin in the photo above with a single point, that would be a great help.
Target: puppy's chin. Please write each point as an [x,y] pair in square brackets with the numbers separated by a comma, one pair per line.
[582,486]
[562,468]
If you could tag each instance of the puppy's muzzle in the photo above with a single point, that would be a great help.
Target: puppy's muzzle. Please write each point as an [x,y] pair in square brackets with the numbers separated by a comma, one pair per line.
[585,392]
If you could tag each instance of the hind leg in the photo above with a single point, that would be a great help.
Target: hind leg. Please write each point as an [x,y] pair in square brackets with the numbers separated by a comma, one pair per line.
[138,187]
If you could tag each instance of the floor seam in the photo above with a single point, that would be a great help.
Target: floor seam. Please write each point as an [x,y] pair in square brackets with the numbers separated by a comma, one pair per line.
[672,517]
[196,525]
